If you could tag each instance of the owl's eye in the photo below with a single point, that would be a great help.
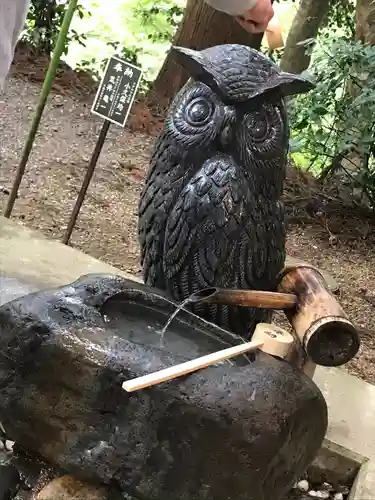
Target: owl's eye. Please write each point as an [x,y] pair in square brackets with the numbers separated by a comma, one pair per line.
[198,111]
[257,126]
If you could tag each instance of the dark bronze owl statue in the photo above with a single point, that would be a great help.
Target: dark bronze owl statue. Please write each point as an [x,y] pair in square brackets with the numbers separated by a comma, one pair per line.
[210,212]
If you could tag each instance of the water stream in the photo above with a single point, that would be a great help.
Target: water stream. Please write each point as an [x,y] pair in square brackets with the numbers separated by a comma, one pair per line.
[172,317]
[147,325]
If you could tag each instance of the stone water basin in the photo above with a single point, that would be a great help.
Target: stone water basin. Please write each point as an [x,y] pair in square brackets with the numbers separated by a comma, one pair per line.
[244,429]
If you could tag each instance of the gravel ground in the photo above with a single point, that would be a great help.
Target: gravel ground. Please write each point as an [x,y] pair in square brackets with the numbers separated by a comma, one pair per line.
[304,490]
[107,226]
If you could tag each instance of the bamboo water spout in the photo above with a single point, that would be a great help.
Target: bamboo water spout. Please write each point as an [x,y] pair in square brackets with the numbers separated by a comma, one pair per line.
[246,298]
[326,334]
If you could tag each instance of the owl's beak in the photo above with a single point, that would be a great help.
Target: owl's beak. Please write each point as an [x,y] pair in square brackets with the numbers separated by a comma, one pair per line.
[226,134]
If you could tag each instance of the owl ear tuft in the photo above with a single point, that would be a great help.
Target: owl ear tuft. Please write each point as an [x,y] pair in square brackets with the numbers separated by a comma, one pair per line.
[191,60]
[290,84]
[197,66]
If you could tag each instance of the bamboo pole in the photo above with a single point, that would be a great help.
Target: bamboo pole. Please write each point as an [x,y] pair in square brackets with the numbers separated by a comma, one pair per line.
[246,298]
[46,89]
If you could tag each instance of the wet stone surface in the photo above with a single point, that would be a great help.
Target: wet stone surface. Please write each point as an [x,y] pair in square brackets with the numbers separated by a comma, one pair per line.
[26,477]
[243,429]
[23,477]
[10,479]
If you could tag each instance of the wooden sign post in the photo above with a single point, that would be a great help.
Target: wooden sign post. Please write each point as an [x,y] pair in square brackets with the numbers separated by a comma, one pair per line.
[113,102]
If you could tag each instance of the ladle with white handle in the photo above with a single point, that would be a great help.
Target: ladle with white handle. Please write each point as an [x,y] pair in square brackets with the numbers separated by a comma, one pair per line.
[269,338]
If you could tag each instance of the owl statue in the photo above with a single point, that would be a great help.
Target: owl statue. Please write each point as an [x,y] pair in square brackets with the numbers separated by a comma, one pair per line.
[210,213]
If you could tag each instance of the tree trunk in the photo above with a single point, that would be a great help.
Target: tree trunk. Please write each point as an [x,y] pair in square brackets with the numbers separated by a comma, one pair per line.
[365,25]
[365,33]
[310,16]
[201,27]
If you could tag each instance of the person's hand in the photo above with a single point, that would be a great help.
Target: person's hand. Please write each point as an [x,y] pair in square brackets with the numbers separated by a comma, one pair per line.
[256,20]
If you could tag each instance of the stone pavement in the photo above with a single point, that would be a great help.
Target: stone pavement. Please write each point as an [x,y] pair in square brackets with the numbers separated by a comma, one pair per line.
[351,407]
[36,260]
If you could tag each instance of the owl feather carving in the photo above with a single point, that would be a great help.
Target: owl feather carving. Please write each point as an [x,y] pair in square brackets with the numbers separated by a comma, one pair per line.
[210,213]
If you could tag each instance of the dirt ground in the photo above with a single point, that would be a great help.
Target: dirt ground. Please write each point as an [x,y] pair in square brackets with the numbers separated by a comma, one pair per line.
[341,243]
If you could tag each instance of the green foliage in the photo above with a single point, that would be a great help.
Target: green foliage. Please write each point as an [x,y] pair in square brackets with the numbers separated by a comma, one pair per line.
[140,31]
[129,54]
[43,24]
[159,20]
[342,17]
[336,121]
[334,124]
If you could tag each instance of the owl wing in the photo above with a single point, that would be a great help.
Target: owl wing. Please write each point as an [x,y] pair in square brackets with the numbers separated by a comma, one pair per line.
[216,233]
[156,201]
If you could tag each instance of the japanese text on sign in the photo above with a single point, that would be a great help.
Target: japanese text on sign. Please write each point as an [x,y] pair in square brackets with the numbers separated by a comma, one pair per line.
[117,91]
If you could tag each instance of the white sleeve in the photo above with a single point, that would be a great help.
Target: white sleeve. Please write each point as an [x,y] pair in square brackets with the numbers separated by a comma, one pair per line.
[232,7]
[12,18]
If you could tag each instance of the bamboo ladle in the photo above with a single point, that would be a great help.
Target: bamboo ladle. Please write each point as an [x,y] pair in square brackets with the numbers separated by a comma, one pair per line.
[269,338]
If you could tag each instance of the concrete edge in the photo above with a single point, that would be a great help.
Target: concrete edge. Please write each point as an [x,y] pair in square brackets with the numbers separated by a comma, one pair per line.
[364,485]
[336,465]
[31,257]
[350,455]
